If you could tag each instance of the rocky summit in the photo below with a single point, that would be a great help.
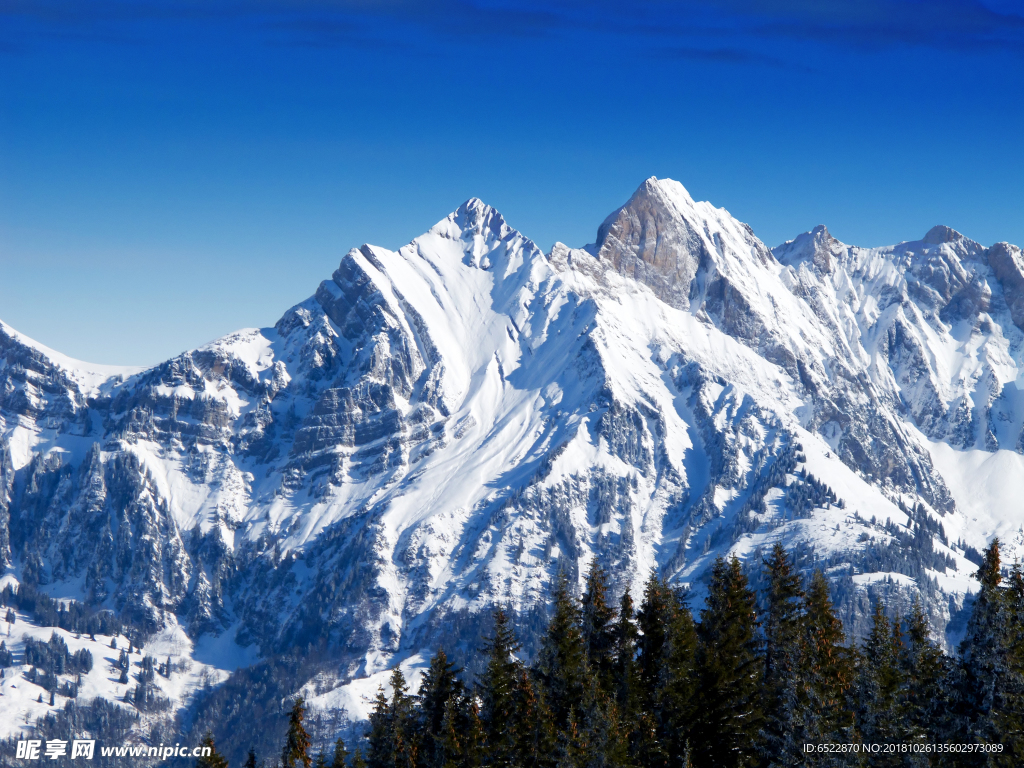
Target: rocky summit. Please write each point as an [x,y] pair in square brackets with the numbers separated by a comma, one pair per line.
[444,428]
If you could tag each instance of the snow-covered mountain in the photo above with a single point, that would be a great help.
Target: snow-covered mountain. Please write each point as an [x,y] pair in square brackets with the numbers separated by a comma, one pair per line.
[443,428]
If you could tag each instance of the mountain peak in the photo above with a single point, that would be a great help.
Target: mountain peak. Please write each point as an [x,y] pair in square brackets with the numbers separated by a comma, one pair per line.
[666,187]
[478,215]
[650,240]
[473,217]
[817,247]
[940,234]
[666,195]
[661,237]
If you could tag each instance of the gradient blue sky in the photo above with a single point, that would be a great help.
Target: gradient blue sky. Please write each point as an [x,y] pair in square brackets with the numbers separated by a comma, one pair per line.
[172,171]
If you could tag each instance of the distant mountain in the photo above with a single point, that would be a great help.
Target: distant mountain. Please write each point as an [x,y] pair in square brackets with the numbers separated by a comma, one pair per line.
[443,428]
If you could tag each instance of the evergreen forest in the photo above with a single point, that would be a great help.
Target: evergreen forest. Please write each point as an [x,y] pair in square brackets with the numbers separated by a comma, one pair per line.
[753,680]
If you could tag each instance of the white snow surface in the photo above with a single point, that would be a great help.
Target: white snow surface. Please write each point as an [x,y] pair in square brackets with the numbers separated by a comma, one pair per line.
[989,490]
[19,698]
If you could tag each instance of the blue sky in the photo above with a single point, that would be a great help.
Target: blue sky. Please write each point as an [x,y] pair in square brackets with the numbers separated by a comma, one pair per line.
[172,171]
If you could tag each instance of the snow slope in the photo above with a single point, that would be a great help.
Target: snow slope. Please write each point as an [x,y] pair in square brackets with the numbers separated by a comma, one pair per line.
[20,703]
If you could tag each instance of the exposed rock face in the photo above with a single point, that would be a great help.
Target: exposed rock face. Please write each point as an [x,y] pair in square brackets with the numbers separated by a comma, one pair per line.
[1007,263]
[817,248]
[443,428]
[6,491]
[644,240]
[105,523]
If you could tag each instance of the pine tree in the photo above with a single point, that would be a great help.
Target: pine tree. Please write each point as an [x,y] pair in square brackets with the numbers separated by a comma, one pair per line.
[498,687]
[626,673]
[448,743]
[379,739]
[925,672]
[340,755]
[599,629]
[250,759]
[392,727]
[403,721]
[607,735]
[440,687]
[562,662]
[676,704]
[989,686]
[534,736]
[730,669]
[783,625]
[984,659]
[654,621]
[583,710]
[357,759]
[827,668]
[514,717]
[882,705]
[320,761]
[212,760]
[296,748]
[1010,721]
[627,677]
[473,741]
[663,712]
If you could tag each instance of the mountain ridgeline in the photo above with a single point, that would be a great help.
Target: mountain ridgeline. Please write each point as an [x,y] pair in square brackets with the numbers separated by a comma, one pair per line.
[445,428]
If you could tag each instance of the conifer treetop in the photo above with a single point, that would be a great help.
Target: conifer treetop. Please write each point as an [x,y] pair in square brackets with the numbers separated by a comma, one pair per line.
[297,745]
